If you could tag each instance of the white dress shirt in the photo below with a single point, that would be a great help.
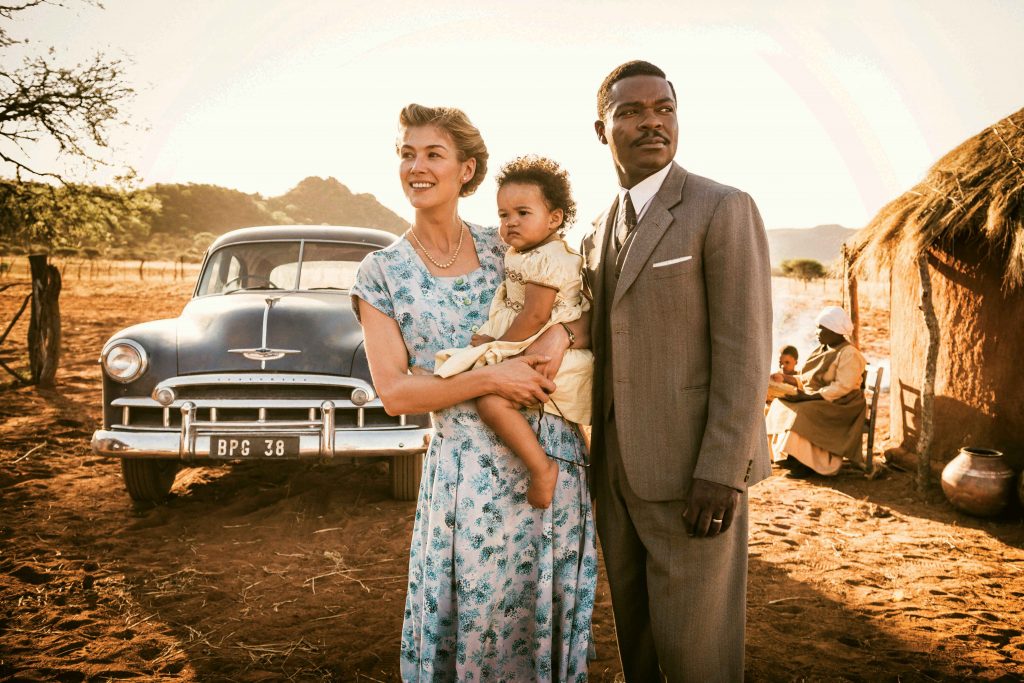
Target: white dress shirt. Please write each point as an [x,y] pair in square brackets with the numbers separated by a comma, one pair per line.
[643,192]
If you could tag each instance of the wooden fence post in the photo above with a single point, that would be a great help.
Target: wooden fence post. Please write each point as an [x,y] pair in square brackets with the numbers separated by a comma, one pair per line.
[44,324]
[850,298]
[924,441]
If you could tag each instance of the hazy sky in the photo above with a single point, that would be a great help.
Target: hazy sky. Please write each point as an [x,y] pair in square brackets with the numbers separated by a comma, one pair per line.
[821,110]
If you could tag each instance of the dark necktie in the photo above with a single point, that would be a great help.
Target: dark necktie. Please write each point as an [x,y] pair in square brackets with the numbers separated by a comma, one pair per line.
[624,233]
[626,224]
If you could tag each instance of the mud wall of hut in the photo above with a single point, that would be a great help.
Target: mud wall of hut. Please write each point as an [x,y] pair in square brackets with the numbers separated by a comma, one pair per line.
[979,388]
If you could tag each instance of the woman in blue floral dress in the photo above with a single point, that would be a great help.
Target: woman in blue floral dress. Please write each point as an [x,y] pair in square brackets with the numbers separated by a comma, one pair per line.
[498,590]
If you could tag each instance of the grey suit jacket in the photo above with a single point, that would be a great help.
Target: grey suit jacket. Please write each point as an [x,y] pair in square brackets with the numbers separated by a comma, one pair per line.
[690,347]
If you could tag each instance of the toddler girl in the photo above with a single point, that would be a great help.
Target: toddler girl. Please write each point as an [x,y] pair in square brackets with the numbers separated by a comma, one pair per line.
[542,288]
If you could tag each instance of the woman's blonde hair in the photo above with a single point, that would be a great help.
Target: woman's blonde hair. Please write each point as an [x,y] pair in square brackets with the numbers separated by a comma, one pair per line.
[469,144]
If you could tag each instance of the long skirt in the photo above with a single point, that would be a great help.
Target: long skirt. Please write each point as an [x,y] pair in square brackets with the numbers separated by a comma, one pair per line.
[498,590]
[834,426]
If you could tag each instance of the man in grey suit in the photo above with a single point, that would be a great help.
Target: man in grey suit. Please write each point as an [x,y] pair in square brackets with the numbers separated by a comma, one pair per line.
[681,330]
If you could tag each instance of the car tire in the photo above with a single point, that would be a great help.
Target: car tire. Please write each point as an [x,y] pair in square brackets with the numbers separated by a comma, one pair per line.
[148,481]
[406,471]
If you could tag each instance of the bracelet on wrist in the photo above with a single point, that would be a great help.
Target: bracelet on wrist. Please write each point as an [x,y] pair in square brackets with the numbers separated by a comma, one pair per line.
[572,337]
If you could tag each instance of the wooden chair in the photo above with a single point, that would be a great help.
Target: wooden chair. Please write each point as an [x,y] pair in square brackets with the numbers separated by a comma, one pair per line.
[869,418]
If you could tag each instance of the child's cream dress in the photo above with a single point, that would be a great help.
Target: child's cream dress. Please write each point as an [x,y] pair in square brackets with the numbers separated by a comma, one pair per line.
[554,265]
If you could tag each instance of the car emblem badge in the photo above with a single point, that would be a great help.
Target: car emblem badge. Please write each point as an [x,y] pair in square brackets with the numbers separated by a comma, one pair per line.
[263,354]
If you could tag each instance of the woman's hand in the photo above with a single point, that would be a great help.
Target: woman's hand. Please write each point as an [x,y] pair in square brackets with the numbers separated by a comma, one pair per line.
[519,380]
[478,339]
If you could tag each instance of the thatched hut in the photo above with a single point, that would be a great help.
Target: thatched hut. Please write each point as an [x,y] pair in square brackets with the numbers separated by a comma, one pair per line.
[967,218]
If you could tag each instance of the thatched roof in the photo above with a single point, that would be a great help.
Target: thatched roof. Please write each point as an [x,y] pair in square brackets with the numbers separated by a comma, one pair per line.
[975,192]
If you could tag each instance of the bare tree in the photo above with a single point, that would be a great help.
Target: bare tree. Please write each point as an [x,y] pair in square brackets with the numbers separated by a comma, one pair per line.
[42,101]
[74,107]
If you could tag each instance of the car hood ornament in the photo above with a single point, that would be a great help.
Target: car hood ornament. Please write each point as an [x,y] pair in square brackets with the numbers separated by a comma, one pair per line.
[263,353]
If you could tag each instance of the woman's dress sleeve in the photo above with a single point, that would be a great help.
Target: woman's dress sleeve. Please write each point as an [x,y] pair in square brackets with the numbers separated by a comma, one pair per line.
[372,287]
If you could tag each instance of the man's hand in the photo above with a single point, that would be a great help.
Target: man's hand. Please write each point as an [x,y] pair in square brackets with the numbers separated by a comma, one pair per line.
[478,339]
[710,509]
[553,344]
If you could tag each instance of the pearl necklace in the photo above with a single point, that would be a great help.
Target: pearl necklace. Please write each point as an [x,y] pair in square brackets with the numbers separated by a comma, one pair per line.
[455,256]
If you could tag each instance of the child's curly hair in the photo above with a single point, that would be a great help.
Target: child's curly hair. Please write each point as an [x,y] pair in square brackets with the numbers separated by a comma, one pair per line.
[552,179]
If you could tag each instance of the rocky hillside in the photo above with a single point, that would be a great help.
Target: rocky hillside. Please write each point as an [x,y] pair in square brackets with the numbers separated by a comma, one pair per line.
[188,209]
[327,201]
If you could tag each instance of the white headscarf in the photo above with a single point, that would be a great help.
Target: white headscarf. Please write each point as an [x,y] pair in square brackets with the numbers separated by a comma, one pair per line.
[835,319]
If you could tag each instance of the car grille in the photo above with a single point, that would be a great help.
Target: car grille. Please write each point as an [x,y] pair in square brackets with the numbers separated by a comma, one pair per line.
[292,400]
[158,417]
[203,392]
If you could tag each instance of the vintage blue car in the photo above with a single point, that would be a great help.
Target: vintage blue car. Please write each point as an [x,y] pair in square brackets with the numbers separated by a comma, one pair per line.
[266,362]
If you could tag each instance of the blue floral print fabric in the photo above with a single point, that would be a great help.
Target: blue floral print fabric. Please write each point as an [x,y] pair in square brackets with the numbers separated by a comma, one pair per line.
[498,590]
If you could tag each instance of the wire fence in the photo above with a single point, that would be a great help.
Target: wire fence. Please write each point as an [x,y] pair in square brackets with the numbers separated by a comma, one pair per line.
[16,268]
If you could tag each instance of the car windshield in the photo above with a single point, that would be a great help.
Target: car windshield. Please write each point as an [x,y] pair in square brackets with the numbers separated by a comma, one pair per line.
[276,265]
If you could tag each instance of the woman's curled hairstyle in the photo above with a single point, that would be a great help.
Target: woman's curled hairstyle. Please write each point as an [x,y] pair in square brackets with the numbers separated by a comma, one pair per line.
[469,144]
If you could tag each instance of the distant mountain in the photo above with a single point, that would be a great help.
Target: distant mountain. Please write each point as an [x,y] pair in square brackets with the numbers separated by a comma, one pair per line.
[188,209]
[823,243]
[326,201]
[192,208]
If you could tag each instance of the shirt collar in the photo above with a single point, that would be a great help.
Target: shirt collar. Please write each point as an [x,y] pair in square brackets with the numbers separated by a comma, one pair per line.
[643,192]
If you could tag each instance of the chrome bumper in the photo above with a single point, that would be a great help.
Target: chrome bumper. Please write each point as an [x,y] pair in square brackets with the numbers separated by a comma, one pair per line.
[317,438]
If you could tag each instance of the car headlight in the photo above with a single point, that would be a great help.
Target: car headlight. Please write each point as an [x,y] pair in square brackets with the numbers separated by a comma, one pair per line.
[124,360]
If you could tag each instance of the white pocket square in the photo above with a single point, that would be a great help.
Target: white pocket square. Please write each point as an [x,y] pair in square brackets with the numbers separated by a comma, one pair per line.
[662,264]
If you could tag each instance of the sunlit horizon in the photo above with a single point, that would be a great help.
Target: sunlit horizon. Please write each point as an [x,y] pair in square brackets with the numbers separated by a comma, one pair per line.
[822,112]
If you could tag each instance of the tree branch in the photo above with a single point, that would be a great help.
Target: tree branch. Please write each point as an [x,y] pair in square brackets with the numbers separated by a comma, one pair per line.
[74,107]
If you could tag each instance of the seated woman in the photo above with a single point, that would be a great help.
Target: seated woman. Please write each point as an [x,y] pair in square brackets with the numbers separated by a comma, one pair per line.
[822,423]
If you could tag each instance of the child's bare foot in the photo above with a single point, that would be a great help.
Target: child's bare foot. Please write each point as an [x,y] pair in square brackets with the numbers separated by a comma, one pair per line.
[542,486]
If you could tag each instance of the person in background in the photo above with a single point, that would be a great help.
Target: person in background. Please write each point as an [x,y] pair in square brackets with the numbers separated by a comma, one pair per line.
[788,358]
[813,430]
[780,382]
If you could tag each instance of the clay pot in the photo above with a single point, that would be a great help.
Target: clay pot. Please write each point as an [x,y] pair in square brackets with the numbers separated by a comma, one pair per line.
[978,481]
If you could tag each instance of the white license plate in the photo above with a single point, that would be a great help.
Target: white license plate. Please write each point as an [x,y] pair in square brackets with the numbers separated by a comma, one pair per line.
[244,447]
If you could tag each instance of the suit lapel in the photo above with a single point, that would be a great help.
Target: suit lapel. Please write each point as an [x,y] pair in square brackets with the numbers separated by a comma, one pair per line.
[603,230]
[651,229]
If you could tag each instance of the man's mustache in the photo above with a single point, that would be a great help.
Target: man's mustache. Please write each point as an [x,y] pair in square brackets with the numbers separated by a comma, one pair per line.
[649,137]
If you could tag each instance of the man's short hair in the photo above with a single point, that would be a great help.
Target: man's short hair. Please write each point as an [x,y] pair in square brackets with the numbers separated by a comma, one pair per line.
[636,67]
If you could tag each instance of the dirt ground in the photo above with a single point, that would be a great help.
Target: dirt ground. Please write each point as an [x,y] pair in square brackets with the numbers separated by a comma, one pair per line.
[297,571]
